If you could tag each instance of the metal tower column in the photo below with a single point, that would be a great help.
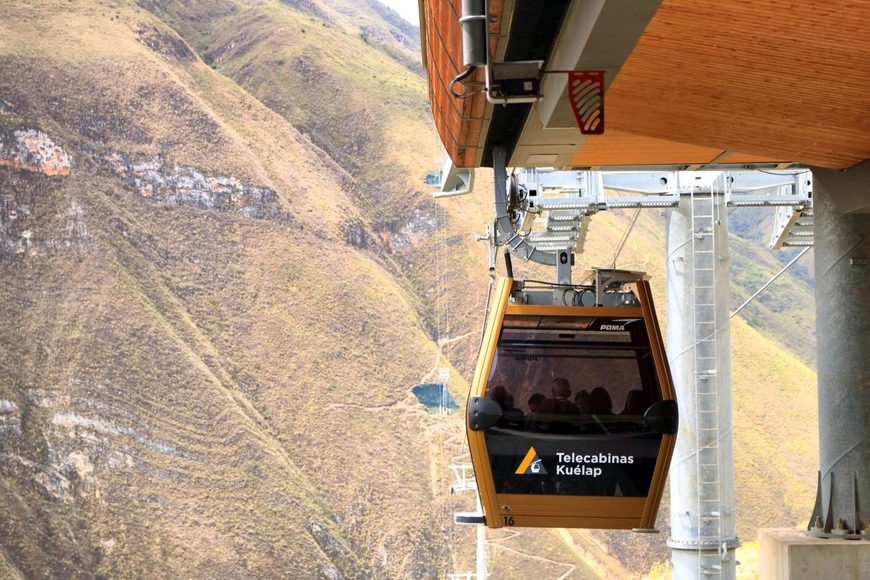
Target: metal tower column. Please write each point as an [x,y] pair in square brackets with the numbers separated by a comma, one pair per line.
[481,561]
[842,265]
[463,480]
[703,532]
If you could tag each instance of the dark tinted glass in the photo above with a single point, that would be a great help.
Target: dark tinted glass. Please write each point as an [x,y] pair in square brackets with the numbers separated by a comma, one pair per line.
[573,392]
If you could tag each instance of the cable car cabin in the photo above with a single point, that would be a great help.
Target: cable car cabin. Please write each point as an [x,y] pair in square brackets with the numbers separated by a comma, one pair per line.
[571,415]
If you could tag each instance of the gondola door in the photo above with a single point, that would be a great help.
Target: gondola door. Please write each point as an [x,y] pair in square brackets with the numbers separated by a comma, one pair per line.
[571,416]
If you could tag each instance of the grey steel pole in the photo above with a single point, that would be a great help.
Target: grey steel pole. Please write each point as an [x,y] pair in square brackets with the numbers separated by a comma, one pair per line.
[703,533]
[474,27]
[481,560]
[842,266]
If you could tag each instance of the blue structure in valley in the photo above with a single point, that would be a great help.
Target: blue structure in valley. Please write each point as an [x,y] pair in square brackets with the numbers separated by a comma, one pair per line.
[435,396]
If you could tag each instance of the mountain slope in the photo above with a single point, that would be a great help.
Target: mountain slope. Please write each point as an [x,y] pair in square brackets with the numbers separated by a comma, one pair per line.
[185,329]
[368,111]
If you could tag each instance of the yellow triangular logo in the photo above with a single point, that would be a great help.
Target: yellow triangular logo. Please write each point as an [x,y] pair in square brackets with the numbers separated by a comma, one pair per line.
[531,464]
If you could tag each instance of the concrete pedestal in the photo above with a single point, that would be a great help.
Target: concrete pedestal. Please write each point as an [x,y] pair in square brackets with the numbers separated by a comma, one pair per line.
[788,554]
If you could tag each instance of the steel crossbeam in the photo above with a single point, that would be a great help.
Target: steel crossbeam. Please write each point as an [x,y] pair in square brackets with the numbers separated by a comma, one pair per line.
[550,210]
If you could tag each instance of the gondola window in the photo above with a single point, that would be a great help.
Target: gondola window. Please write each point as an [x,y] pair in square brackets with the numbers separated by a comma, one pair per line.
[573,393]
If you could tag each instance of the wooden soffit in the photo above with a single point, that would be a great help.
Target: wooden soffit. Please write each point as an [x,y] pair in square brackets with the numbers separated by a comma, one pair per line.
[773,80]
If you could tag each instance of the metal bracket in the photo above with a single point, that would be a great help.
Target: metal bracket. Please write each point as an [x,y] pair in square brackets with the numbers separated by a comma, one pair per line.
[610,280]
[469,518]
[483,413]
[454,180]
[792,226]
[516,82]
[506,229]
[663,417]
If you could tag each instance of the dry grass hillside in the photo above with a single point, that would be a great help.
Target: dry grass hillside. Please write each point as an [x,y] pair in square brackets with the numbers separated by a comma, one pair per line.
[209,377]
[220,275]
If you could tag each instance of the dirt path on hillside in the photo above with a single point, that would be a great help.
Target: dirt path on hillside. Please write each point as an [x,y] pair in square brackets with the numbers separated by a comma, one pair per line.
[495,542]
[594,555]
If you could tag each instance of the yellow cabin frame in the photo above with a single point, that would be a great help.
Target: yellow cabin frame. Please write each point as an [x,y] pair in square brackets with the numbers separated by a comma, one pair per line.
[506,509]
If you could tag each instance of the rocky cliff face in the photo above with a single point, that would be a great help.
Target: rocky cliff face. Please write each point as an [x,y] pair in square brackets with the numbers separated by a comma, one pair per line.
[28,152]
[174,185]
[154,179]
[32,150]
[10,419]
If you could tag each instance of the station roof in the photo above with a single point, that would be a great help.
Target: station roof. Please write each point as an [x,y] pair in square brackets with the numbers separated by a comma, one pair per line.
[689,83]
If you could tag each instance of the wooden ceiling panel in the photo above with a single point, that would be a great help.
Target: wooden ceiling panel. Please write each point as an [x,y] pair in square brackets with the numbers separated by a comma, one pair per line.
[780,79]
[746,158]
[459,121]
[614,147]
[776,80]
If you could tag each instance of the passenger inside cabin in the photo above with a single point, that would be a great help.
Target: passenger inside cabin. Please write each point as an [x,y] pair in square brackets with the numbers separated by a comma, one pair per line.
[498,394]
[601,402]
[552,408]
[511,416]
[509,408]
[584,402]
[559,404]
[534,404]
